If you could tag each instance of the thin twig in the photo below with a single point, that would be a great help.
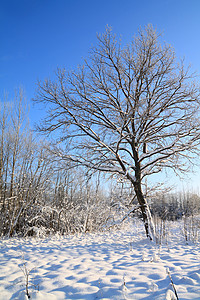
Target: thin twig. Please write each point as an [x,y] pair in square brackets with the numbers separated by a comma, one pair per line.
[168,272]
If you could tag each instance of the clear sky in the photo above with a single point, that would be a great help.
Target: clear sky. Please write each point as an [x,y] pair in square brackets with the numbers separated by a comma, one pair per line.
[37,36]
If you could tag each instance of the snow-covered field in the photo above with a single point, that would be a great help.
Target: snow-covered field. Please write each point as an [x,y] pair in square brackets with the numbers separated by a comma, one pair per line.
[112,265]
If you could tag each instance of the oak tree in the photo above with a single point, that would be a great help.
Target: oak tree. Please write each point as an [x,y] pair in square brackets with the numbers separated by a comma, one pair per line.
[128,110]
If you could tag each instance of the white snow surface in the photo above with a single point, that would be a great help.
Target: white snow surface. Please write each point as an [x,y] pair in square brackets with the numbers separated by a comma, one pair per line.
[119,264]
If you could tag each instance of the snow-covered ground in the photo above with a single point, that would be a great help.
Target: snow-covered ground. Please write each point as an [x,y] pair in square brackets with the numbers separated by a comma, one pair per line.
[111,265]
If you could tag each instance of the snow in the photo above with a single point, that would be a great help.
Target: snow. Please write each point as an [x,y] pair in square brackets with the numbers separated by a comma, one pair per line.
[119,264]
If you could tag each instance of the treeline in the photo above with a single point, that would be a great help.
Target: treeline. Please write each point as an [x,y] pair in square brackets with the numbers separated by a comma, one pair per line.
[23,168]
[40,194]
[174,206]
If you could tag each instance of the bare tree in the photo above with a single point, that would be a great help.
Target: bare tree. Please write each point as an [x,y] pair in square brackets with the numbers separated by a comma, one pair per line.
[129,111]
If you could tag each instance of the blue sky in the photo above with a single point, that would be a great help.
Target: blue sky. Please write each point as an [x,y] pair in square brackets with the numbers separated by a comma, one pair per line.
[37,36]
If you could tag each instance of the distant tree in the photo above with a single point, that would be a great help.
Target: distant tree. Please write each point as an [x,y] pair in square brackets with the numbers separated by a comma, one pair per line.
[129,111]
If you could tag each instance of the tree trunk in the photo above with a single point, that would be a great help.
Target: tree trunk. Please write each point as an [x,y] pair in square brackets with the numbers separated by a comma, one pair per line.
[146,214]
[137,184]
